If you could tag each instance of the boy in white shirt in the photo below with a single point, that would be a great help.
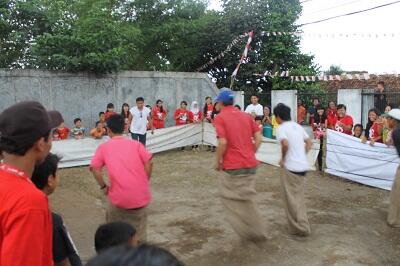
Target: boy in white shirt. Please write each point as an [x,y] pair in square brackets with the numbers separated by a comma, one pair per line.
[295,145]
[141,116]
[255,109]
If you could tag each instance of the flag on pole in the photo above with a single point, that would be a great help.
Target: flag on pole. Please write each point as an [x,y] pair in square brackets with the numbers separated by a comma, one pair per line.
[244,55]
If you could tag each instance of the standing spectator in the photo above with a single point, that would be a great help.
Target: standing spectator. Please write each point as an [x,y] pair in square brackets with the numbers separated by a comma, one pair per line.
[375,127]
[358,131]
[254,108]
[98,132]
[331,115]
[266,118]
[182,115]
[319,129]
[312,111]
[380,99]
[25,220]
[295,145]
[385,123]
[140,118]
[208,109]
[301,112]
[238,140]
[195,117]
[129,168]
[344,123]
[109,111]
[46,179]
[393,121]
[216,111]
[393,218]
[159,114]
[63,131]
[78,132]
[127,117]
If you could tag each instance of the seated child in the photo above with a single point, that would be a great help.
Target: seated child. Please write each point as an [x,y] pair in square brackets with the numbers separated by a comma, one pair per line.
[99,131]
[258,120]
[45,178]
[78,132]
[358,131]
[109,112]
[63,131]
[115,234]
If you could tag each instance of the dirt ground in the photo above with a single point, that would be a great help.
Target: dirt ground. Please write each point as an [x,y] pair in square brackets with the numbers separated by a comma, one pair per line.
[186,217]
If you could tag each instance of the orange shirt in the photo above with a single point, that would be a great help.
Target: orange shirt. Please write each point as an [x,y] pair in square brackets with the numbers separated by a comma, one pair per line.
[97,134]
[301,114]
[63,133]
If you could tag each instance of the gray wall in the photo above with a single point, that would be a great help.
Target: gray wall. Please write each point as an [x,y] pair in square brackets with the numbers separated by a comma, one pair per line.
[85,95]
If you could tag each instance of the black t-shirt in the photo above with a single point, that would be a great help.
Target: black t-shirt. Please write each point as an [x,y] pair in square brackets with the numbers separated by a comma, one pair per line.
[63,247]
[380,101]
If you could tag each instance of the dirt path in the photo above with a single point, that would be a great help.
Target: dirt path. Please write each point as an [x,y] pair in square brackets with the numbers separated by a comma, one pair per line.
[348,220]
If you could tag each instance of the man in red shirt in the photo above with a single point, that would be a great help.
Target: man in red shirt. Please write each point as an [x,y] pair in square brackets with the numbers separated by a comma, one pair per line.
[25,220]
[238,140]
[344,123]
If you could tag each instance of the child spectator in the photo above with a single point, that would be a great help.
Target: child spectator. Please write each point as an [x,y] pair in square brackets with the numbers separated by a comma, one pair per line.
[266,118]
[375,127]
[115,234]
[301,112]
[295,145]
[195,117]
[144,255]
[331,115]
[63,131]
[127,117]
[98,132]
[312,111]
[110,111]
[78,132]
[46,179]
[358,131]
[237,106]
[259,120]
[344,123]
[208,109]
[320,122]
[182,115]
[159,114]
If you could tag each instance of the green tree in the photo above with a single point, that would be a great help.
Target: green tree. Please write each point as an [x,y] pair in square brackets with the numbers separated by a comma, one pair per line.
[334,70]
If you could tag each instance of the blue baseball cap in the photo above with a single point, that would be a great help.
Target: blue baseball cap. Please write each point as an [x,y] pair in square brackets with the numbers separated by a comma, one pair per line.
[226,96]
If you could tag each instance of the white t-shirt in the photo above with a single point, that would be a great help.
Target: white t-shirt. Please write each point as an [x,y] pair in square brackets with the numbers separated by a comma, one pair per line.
[296,157]
[139,120]
[258,109]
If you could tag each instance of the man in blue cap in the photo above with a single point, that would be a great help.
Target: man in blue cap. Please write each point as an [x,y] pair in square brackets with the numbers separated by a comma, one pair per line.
[238,140]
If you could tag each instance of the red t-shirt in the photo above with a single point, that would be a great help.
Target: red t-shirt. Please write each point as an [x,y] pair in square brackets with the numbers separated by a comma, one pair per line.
[331,116]
[182,117]
[238,129]
[346,120]
[196,117]
[374,132]
[208,114]
[63,133]
[25,221]
[108,114]
[158,117]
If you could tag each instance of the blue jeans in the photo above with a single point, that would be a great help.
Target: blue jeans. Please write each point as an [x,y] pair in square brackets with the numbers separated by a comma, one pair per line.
[139,137]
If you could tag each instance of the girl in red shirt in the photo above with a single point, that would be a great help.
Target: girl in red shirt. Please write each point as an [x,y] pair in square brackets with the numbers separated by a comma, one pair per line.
[127,116]
[63,132]
[159,115]
[208,109]
[331,115]
[376,127]
[195,117]
[110,111]
[182,115]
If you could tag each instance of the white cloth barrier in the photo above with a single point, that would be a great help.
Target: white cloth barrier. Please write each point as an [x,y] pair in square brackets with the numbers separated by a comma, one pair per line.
[80,152]
[348,158]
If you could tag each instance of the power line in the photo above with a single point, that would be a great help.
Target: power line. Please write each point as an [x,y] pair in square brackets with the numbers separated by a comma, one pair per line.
[349,14]
[305,1]
[332,7]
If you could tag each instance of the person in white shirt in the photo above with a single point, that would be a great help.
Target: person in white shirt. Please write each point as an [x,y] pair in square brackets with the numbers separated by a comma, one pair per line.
[255,109]
[141,117]
[295,144]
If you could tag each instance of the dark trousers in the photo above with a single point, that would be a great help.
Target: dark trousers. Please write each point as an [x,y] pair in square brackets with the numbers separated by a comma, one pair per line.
[139,137]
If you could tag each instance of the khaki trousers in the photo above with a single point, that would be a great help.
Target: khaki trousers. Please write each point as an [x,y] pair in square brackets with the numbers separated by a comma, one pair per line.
[393,218]
[238,198]
[293,197]
[136,217]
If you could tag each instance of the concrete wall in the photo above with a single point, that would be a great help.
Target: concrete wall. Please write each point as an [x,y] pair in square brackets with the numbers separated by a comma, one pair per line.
[352,99]
[85,95]
[287,97]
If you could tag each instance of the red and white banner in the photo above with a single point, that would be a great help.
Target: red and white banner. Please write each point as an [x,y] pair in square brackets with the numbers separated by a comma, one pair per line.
[244,55]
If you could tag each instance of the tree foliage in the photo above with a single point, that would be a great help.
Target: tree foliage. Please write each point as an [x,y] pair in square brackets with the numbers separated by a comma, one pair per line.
[165,35]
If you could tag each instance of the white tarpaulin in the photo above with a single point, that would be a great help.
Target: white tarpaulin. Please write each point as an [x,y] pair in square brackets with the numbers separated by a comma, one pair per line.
[347,157]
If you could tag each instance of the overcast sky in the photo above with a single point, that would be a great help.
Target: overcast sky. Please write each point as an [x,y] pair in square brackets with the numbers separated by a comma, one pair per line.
[353,53]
